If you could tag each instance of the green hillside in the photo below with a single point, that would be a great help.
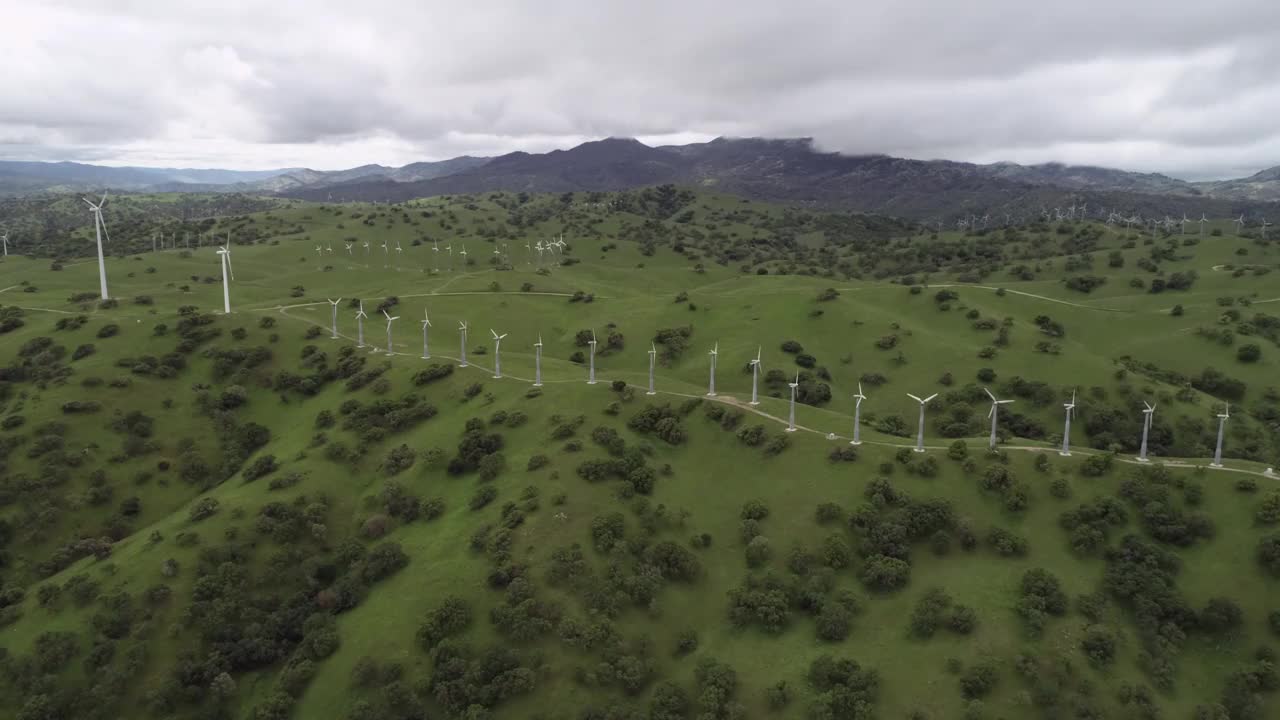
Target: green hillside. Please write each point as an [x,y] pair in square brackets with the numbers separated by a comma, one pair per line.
[213,516]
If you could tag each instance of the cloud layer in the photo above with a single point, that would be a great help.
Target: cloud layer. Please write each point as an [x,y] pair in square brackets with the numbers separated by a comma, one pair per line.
[1185,88]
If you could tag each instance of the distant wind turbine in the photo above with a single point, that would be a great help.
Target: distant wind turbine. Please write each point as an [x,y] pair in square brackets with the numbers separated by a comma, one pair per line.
[920,431]
[100,228]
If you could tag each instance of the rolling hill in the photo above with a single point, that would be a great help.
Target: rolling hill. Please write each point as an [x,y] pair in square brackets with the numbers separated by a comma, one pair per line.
[288,512]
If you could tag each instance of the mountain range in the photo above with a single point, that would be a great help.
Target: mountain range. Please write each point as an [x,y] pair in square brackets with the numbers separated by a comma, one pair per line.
[788,170]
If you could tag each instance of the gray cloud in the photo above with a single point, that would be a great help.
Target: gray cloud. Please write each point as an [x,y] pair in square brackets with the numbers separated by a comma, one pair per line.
[1179,87]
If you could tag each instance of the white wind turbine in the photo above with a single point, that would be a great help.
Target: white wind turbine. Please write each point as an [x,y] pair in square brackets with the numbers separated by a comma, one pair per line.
[537,362]
[5,239]
[857,416]
[791,415]
[334,303]
[715,353]
[1265,225]
[435,256]
[226,287]
[329,247]
[994,414]
[920,431]
[1203,220]
[653,359]
[100,228]
[462,330]
[319,251]
[348,250]
[1239,224]
[1069,409]
[449,247]
[463,253]
[360,316]
[366,249]
[390,319]
[1222,426]
[497,353]
[591,371]
[386,254]
[399,254]
[426,323]
[755,377]
[1146,428]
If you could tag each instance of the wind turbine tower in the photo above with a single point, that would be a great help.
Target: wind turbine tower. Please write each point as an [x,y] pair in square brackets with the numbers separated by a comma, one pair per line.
[1146,428]
[994,414]
[711,386]
[1069,409]
[497,353]
[462,330]
[755,377]
[537,362]
[1222,426]
[920,431]
[360,316]
[791,416]
[653,359]
[334,303]
[857,416]
[591,369]
[226,287]
[99,228]
[390,319]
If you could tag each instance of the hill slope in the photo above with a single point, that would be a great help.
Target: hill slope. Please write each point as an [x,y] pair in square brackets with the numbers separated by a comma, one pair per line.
[239,515]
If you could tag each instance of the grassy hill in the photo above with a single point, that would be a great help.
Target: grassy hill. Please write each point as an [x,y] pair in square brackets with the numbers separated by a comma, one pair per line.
[239,516]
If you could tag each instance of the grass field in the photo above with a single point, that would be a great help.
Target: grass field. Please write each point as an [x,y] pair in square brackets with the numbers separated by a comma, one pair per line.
[280,292]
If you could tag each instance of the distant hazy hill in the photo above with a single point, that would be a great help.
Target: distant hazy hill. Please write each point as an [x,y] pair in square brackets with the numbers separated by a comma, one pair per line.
[789,170]
[794,171]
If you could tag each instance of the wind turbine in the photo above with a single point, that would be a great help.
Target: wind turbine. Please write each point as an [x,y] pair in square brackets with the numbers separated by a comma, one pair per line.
[435,256]
[653,358]
[537,362]
[591,371]
[399,254]
[1203,220]
[426,323]
[348,250]
[226,288]
[329,247]
[857,417]
[1222,425]
[920,432]
[1146,428]
[1184,223]
[463,253]
[497,353]
[390,319]
[1069,409]
[100,228]
[994,414]
[366,249]
[334,303]
[5,239]
[791,416]
[449,247]
[462,329]
[715,353]
[319,251]
[386,255]
[1239,224]
[360,316]
[1265,225]
[755,376]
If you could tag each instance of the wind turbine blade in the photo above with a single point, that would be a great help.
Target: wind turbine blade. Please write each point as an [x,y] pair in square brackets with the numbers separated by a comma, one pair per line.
[931,397]
[859,388]
[991,411]
[913,397]
[988,392]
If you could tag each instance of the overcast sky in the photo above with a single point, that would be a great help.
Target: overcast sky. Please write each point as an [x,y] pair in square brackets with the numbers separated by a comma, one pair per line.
[1186,88]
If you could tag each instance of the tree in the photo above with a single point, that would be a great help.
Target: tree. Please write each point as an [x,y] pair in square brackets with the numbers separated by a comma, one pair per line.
[1249,353]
